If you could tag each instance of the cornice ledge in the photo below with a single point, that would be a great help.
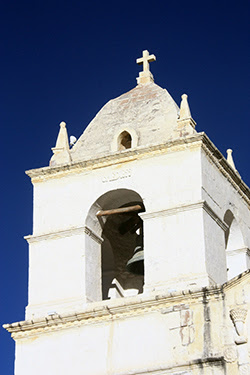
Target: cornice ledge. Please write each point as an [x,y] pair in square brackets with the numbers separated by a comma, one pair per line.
[220,161]
[64,233]
[111,159]
[236,280]
[186,207]
[207,145]
[245,250]
[214,216]
[111,309]
[172,210]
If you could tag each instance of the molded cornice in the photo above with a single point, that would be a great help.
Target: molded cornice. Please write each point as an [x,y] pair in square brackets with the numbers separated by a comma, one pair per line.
[180,144]
[64,233]
[119,308]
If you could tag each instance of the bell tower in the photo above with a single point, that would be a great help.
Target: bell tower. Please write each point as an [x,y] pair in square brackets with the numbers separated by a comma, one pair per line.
[142,230]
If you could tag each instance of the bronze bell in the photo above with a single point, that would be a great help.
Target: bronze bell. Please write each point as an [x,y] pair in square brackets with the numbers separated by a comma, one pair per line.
[136,263]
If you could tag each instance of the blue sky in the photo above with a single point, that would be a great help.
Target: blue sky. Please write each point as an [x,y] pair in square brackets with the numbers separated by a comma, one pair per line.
[63,60]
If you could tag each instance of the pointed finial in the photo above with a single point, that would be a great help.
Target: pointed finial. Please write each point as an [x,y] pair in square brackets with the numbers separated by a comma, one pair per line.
[185,114]
[61,153]
[184,108]
[62,142]
[230,159]
[145,76]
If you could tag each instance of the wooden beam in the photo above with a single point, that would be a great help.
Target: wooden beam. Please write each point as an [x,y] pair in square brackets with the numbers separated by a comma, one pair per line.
[121,210]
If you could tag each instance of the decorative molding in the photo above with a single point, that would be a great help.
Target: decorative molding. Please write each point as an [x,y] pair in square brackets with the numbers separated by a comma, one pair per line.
[238,316]
[115,309]
[243,250]
[96,312]
[236,280]
[172,210]
[64,233]
[230,354]
[186,207]
[112,159]
[111,309]
[180,144]
[224,167]
[214,216]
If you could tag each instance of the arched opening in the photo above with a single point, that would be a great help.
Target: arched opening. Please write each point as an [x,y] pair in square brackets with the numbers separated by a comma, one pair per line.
[115,219]
[124,141]
[235,247]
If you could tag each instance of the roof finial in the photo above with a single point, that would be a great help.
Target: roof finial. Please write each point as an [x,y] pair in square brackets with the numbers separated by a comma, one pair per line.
[185,114]
[61,151]
[62,142]
[230,159]
[145,76]
[184,108]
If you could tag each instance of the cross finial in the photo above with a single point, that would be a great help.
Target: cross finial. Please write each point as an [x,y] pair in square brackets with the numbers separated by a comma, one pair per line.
[145,76]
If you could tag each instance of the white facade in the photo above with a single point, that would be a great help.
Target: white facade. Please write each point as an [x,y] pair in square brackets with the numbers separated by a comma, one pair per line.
[86,313]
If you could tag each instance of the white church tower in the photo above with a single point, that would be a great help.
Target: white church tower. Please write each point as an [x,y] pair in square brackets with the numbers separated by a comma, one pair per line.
[139,257]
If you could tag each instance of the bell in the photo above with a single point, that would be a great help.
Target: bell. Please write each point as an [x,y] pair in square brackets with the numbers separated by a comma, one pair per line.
[136,263]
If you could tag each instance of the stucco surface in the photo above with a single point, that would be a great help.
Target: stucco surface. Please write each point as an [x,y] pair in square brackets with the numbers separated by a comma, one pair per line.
[147,109]
[203,332]
[185,315]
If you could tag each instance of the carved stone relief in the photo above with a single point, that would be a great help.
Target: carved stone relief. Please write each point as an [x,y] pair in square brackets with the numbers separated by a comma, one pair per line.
[238,316]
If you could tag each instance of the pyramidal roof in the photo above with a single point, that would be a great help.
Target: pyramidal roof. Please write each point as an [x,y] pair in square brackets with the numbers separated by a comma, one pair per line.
[146,115]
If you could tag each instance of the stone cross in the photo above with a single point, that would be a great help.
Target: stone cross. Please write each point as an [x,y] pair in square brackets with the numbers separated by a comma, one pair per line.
[145,60]
[145,76]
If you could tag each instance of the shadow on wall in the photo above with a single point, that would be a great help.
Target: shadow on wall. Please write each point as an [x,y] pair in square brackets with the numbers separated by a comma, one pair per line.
[236,251]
